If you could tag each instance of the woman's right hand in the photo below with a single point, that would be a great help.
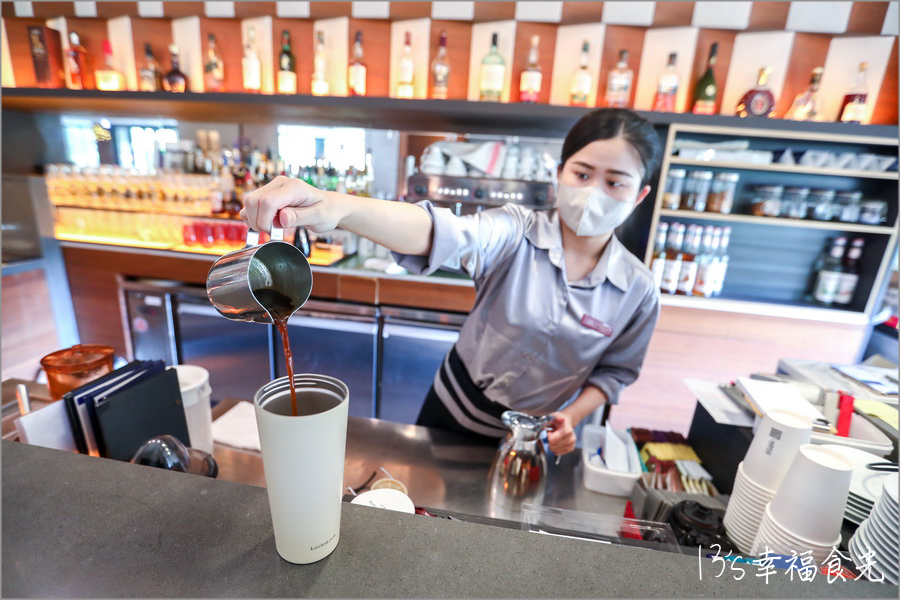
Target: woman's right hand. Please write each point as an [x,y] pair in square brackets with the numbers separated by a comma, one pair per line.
[295,203]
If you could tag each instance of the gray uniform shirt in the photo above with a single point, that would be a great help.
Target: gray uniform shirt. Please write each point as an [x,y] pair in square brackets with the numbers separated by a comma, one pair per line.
[533,339]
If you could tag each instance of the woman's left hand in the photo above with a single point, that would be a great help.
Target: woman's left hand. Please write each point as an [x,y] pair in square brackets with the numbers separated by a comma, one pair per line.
[561,434]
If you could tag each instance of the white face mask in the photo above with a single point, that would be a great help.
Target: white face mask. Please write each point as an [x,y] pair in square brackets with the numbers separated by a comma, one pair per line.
[589,211]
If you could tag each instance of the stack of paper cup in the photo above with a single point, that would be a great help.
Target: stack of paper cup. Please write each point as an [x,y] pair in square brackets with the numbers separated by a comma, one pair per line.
[807,510]
[774,446]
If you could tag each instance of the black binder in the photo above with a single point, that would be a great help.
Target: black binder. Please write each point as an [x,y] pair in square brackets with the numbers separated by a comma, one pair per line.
[130,416]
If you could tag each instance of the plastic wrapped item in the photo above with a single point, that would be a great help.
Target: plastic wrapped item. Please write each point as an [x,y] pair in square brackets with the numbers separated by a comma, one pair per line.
[794,203]
[821,205]
[873,212]
[848,206]
[767,200]
[674,187]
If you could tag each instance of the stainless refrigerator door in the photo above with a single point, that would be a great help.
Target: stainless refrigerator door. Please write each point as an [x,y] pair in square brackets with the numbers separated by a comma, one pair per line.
[237,355]
[151,327]
[411,355]
[338,346]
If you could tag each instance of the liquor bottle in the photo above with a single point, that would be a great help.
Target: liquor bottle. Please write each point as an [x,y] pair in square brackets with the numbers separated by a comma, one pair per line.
[582,81]
[440,71]
[406,69]
[287,69]
[705,90]
[829,276]
[672,267]
[251,68]
[667,87]
[619,82]
[758,101]
[213,67]
[658,262]
[853,106]
[108,78]
[692,249]
[493,73]
[817,266]
[356,71]
[175,80]
[720,265]
[703,285]
[81,72]
[150,76]
[806,105]
[47,57]
[319,77]
[850,276]
[530,80]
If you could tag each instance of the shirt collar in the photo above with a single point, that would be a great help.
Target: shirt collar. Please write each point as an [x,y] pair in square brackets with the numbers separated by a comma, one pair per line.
[544,233]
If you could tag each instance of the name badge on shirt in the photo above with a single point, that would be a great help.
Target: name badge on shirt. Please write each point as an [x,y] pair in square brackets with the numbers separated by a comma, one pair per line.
[597,325]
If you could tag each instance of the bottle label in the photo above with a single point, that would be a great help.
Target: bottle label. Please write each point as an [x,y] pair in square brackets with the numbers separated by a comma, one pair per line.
[148,81]
[704,107]
[687,277]
[406,71]
[439,90]
[658,267]
[855,110]
[703,286]
[287,82]
[251,72]
[827,286]
[492,78]
[530,86]
[719,268]
[404,90]
[671,271]
[846,287]
[581,84]
[357,80]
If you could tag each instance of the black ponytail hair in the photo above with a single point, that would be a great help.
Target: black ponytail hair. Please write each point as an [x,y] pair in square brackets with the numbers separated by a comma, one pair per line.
[609,123]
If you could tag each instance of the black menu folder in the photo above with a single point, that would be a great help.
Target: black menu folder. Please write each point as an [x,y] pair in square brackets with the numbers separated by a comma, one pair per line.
[131,415]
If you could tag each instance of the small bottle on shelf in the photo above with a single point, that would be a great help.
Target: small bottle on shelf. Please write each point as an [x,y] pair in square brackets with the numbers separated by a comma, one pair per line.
[689,261]
[406,70]
[213,67]
[703,284]
[853,106]
[108,78]
[829,276]
[175,80]
[582,80]
[672,266]
[493,74]
[849,277]
[667,87]
[759,100]
[319,76]
[531,78]
[251,68]
[356,71]
[806,105]
[440,70]
[658,262]
[150,75]
[81,71]
[720,264]
[619,83]
[287,68]
[706,90]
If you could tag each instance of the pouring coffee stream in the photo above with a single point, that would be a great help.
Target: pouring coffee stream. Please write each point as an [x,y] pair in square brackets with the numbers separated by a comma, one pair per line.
[279,306]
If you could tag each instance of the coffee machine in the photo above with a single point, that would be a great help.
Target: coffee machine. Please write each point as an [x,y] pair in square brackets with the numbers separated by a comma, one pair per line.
[468,195]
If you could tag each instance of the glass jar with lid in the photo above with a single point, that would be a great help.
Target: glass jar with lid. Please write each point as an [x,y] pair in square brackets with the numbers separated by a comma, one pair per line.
[848,207]
[696,190]
[721,195]
[794,202]
[873,212]
[821,205]
[767,200]
[674,187]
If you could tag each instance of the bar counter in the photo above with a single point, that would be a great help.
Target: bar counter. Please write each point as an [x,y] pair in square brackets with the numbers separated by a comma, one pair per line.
[77,526]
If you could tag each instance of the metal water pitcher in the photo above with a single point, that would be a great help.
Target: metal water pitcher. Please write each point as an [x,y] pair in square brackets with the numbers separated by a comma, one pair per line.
[519,471]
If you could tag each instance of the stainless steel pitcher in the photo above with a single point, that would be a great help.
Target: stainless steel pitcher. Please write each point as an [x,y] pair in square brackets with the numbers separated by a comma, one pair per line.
[235,278]
[519,471]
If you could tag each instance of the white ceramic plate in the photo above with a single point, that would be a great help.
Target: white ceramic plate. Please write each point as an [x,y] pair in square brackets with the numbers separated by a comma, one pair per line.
[884,561]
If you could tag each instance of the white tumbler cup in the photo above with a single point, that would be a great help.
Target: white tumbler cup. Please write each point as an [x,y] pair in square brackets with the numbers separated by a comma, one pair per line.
[303,460]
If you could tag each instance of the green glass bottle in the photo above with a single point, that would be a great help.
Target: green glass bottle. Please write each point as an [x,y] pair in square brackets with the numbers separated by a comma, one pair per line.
[706,90]
[493,74]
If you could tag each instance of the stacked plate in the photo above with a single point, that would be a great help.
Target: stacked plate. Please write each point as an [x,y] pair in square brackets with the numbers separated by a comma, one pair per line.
[874,546]
[746,509]
[866,485]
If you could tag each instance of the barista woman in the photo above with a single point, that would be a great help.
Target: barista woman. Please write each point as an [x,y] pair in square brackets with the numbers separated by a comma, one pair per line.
[562,309]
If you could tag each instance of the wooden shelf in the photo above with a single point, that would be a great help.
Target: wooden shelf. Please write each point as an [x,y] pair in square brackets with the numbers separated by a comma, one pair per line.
[891,175]
[539,120]
[777,221]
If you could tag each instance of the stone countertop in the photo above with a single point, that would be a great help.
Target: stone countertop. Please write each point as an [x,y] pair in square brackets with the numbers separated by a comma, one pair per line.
[77,526]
